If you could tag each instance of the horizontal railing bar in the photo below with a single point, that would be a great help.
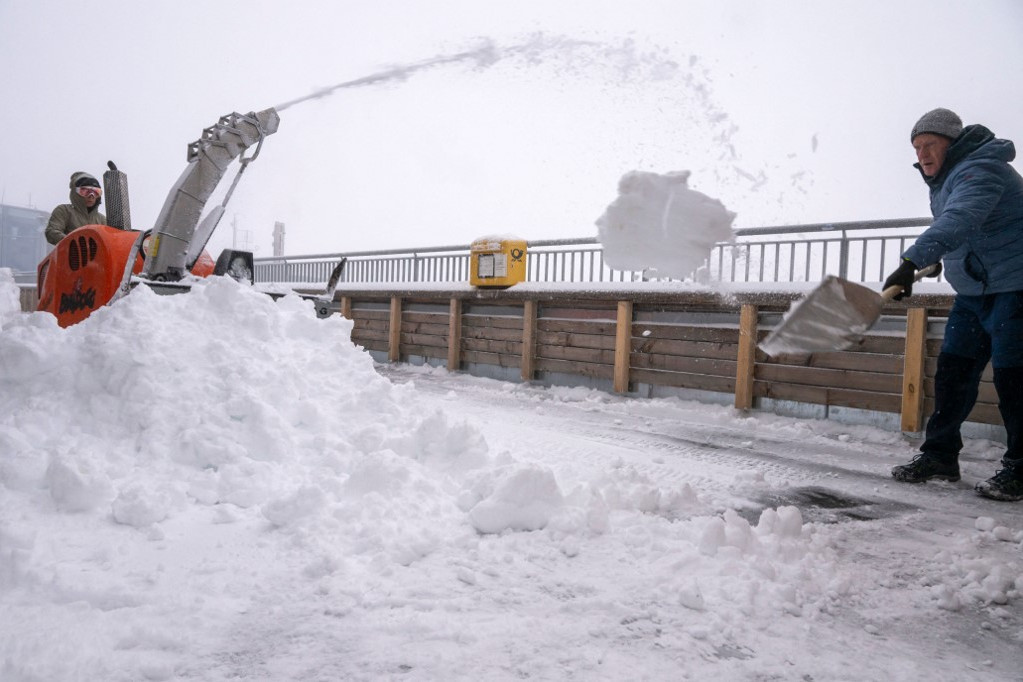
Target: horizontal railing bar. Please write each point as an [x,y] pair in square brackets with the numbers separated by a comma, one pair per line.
[582,241]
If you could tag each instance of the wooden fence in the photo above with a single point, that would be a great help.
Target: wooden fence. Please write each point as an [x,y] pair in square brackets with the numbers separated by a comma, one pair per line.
[702,341]
[624,340]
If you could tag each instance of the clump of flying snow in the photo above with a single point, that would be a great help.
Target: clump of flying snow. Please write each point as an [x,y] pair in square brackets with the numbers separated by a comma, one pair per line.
[660,225]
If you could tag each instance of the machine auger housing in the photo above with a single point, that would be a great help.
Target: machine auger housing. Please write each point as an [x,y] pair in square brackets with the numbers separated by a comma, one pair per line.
[97,264]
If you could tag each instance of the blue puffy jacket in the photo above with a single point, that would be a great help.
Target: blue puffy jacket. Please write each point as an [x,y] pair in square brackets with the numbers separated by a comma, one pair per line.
[977,204]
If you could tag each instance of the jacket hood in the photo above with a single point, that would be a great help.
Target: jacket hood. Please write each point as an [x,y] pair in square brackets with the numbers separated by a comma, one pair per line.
[76,199]
[975,142]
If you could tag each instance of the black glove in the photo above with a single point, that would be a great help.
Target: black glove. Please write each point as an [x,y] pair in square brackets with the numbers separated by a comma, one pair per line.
[902,277]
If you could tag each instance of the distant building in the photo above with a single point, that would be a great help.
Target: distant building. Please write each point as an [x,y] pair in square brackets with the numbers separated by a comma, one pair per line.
[22,243]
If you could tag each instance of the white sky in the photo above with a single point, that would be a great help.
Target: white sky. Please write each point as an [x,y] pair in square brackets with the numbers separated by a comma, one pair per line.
[817,98]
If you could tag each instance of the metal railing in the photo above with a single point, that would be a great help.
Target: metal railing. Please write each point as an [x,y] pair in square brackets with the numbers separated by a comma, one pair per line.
[859,251]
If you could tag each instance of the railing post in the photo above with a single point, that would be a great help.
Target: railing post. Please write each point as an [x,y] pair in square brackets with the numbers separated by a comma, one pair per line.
[843,256]
[747,353]
[623,346]
[913,370]
[454,335]
[394,331]
[528,340]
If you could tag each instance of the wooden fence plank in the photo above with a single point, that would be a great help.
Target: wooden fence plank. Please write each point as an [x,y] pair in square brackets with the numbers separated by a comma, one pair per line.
[690,365]
[483,358]
[701,382]
[623,346]
[434,352]
[589,355]
[881,364]
[577,340]
[454,334]
[684,332]
[394,330]
[701,349]
[370,314]
[426,317]
[491,321]
[913,373]
[424,340]
[705,334]
[746,359]
[498,334]
[493,346]
[528,340]
[442,328]
[580,368]
[811,376]
[827,395]
[370,335]
[600,328]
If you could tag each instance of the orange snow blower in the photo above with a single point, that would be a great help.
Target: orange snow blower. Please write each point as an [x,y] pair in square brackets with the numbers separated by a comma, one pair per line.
[95,265]
[85,271]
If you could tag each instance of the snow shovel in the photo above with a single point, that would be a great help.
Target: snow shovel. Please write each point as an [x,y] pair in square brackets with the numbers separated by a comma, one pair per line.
[832,317]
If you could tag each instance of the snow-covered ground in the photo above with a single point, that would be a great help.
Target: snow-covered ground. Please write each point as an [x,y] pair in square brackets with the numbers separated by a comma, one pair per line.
[217,486]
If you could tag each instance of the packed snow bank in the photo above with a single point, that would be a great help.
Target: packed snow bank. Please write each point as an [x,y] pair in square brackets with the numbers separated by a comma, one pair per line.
[658,224]
[215,485]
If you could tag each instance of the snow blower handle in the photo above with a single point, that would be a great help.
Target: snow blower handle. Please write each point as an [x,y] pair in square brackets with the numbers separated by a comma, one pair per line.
[894,290]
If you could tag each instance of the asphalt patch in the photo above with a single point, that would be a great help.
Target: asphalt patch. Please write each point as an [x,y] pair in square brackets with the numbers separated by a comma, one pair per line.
[826,505]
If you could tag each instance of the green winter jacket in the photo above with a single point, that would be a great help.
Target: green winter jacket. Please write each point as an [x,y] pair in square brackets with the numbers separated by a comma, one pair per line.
[67,217]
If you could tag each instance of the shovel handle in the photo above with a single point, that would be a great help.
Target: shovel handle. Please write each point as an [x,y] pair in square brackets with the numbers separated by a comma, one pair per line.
[894,290]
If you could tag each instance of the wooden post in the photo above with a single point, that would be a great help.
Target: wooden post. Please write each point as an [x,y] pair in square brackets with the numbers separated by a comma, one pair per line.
[913,370]
[747,356]
[528,340]
[394,331]
[454,335]
[346,307]
[623,347]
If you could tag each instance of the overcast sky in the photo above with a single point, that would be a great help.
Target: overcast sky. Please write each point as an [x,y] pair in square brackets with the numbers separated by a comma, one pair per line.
[788,111]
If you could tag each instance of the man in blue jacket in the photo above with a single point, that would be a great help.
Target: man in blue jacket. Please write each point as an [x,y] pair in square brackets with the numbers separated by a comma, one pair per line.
[977,204]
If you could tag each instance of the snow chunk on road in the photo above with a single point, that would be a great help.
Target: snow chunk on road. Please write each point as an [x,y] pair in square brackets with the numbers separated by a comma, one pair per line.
[521,498]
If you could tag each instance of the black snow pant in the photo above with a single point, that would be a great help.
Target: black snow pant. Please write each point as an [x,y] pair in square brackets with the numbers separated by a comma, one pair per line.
[956,385]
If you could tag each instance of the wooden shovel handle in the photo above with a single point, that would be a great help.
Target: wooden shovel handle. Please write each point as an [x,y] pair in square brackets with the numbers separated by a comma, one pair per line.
[894,290]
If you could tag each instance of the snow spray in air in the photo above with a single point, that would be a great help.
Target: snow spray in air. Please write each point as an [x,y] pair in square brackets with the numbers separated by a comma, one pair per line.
[569,57]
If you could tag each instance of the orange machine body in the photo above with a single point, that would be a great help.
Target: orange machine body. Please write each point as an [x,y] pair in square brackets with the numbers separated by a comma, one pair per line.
[84,271]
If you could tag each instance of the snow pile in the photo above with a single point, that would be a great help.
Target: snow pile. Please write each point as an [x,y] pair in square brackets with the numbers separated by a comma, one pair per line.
[10,298]
[215,485]
[660,225]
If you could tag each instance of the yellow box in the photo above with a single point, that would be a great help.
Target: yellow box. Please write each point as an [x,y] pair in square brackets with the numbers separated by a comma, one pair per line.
[497,262]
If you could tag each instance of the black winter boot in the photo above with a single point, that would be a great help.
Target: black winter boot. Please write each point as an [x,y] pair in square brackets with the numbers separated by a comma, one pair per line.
[926,466]
[1007,484]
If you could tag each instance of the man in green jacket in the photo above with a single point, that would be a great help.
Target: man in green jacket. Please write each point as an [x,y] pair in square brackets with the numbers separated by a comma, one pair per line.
[86,196]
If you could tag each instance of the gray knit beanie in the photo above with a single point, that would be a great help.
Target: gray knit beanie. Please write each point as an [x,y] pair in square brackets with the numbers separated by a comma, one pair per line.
[939,122]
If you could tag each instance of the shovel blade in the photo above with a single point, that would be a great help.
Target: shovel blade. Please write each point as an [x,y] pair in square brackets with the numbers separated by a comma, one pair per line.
[832,317]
